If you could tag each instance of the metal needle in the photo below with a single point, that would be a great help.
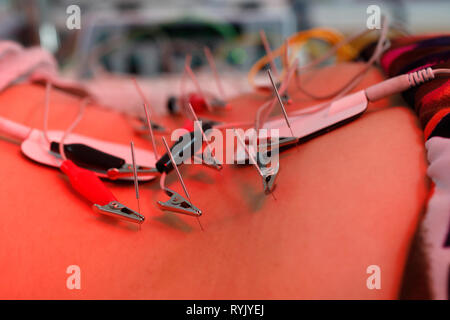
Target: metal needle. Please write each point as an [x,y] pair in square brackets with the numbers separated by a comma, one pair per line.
[136,183]
[204,135]
[280,102]
[250,155]
[176,168]
[179,175]
[191,74]
[147,117]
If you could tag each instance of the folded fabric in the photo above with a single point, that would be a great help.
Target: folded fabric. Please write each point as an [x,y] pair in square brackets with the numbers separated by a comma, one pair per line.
[431,101]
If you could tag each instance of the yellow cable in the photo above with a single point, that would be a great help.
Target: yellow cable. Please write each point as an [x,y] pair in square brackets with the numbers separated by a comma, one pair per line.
[296,41]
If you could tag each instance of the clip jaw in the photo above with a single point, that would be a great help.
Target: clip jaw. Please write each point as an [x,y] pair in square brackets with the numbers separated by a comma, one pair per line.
[269,175]
[286,98]
[117,210]
[279,143]
[209,161]
[287,141]
[127,171]
[177,203]
[218,103]
[144,129]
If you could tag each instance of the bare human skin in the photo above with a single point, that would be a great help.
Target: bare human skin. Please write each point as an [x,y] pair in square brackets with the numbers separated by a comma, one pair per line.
[346,200]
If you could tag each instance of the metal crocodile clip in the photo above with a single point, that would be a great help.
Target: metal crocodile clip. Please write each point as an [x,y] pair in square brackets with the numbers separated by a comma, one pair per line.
[155,127]
[88,157]
[117,210]
[184,148]
[269,177]
[177,203]
[282,142]
[127,171]
[209,161]
[218,103]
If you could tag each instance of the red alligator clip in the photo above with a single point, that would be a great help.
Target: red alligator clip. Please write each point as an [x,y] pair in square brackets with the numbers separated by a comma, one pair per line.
[87,184]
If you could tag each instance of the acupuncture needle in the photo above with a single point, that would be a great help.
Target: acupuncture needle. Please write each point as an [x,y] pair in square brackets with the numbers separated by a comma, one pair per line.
[268,106]
[136,183]
[147,117]
[250,155]
[179,176]
[196,83]
[203,134]
[280,102]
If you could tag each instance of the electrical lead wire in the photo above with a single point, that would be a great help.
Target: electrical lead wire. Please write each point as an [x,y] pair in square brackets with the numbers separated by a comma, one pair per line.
[212,65]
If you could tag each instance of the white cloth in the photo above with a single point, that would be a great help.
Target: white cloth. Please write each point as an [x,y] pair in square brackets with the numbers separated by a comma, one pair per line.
[18,64]
[436,224]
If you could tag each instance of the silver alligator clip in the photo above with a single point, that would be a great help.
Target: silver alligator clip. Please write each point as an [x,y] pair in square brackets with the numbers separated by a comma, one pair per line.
[177,203]
[117,210]
[267,173]
[217,103]
[143,129]
[209,161]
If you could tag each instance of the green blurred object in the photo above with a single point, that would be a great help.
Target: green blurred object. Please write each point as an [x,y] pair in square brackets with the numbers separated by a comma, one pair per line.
[238,56]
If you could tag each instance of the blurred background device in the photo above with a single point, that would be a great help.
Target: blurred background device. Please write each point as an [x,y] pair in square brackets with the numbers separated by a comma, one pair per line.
[149,38]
